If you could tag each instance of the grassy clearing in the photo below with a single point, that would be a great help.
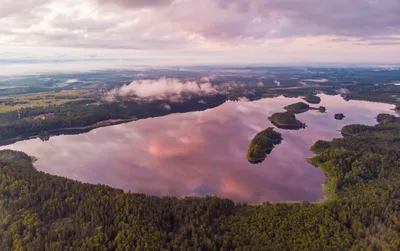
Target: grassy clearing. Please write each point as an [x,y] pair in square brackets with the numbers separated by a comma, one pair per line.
[42,99]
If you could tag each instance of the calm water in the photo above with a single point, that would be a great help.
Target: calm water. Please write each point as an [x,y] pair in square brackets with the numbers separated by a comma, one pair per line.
[203,153]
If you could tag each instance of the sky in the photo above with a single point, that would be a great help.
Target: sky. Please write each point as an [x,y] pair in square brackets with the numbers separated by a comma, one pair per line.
[94,34]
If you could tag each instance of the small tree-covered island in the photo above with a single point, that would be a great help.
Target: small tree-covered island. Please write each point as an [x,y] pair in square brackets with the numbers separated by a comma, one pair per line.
[312,99]
[339,116]
[298,107]
[262,144]
[321,109]
[286,120]
[301,107]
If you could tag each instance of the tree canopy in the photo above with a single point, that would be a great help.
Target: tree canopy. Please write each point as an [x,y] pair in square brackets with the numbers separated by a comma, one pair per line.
[312,99]
[262,144]
[286,120]
[298,107]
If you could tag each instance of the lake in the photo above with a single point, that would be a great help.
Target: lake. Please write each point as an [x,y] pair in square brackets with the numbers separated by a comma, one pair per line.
[203,153]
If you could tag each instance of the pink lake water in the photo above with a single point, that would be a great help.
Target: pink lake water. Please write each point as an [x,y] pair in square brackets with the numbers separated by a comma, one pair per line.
[203,153]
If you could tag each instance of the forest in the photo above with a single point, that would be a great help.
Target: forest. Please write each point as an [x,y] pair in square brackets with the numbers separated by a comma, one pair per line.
[39,211]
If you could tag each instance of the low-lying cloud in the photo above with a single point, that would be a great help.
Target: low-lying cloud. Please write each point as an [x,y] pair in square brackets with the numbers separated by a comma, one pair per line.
[166,107]
[321,80]
[71,81]
[343,91]
[164,88]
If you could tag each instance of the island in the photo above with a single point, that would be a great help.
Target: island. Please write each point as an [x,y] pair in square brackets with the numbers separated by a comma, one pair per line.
[286,120]
[301,107]
[312,99]
[262,144]
[298,107]
[339,116]
[321,109]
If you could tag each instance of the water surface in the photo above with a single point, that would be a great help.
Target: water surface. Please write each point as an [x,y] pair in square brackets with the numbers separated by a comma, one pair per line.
[202,153]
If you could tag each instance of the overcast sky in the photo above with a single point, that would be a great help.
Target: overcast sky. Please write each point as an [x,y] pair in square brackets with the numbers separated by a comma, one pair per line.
[112,33]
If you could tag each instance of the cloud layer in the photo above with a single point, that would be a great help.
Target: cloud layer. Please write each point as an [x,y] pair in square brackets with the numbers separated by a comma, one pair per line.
[284,30]
[163,88]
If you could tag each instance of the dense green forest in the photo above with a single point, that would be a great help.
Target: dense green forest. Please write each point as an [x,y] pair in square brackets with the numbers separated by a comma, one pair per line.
[40,211]
[286,120]
[262,144]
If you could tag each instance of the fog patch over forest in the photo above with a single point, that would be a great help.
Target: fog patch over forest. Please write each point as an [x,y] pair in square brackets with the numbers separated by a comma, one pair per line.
[172,89]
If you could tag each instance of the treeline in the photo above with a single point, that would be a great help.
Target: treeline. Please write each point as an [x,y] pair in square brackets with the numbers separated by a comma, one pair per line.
[382,93]
[81,115]
[44,212]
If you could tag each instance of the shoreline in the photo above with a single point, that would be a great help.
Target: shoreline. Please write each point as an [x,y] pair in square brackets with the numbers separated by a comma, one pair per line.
[69,130]
[104,123]
[287,126]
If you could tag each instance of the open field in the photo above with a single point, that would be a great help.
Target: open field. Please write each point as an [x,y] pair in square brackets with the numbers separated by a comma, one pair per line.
[42,99]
